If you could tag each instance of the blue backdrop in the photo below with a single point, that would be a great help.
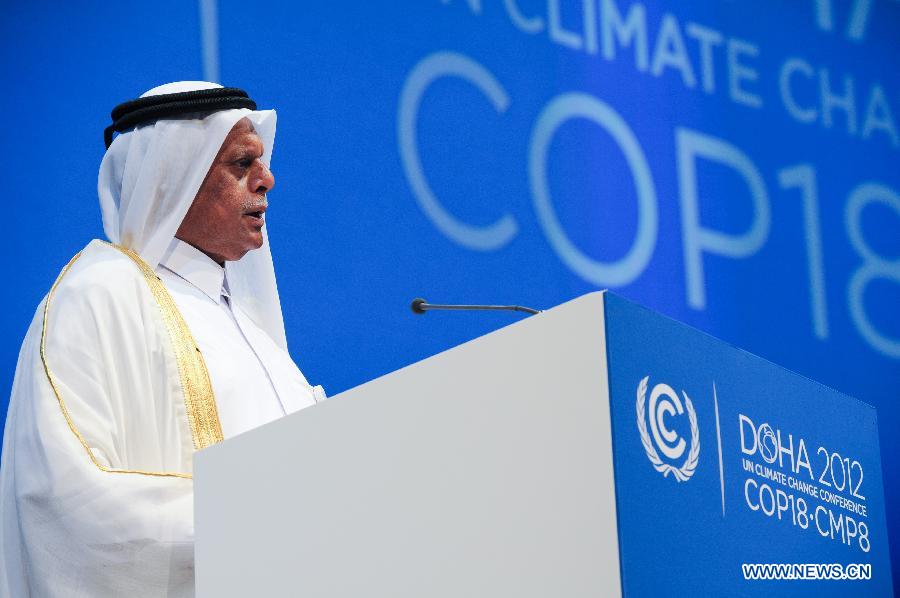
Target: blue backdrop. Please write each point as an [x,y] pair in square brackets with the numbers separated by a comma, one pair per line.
[730,164]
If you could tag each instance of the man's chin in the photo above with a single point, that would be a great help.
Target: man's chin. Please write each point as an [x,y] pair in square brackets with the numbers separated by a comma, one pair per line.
[252,246]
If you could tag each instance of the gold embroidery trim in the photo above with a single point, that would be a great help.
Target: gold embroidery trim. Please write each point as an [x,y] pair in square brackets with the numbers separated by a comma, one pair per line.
[199,399]
[198,393]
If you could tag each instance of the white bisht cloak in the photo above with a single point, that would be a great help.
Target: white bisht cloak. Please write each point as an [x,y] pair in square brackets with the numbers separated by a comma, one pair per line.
[109,400]
[96,495]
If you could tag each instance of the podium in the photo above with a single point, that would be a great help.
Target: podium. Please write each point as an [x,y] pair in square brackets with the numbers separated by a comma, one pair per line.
[595,449]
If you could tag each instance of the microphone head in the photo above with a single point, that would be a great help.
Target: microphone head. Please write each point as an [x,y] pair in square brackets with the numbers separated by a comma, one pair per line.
[417,304]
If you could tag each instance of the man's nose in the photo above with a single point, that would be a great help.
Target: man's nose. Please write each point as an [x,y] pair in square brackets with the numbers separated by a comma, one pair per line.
[265,179]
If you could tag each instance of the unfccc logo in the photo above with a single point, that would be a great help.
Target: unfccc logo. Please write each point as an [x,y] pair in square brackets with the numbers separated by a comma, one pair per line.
[664,401]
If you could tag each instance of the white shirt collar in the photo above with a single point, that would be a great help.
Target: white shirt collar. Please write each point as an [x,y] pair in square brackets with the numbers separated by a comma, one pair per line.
[195,267]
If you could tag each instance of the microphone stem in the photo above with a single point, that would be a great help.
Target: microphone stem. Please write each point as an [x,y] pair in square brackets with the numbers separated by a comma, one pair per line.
[521,308]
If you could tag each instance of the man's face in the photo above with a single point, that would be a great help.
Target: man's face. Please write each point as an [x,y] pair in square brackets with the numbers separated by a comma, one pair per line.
[226,219]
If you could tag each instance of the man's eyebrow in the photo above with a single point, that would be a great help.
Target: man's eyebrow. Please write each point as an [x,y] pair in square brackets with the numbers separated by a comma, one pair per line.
[244,151]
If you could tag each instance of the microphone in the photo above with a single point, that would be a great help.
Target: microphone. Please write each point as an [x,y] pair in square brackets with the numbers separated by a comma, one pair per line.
[420,306]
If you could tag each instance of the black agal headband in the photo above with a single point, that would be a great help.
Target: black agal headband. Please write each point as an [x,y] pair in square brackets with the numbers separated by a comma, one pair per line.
[143,110]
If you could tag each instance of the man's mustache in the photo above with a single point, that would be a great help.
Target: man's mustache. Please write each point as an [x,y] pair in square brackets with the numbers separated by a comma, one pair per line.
[255,203]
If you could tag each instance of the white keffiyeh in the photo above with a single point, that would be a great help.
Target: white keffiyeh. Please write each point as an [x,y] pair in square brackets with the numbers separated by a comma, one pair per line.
[149,177]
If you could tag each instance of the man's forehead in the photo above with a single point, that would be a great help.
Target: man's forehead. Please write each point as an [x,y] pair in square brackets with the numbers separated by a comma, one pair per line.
[242,135]
[242,126]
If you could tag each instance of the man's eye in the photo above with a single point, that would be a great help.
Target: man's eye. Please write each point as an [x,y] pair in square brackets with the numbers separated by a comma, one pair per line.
[244,163]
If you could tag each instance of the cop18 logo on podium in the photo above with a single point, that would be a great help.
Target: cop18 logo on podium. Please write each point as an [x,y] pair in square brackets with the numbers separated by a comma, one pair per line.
[664,401]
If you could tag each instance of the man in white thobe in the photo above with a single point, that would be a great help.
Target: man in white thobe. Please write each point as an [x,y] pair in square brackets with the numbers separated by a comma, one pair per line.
[158,343]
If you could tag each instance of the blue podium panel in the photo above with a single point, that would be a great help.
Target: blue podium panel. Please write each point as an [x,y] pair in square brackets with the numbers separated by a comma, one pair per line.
[729,467]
